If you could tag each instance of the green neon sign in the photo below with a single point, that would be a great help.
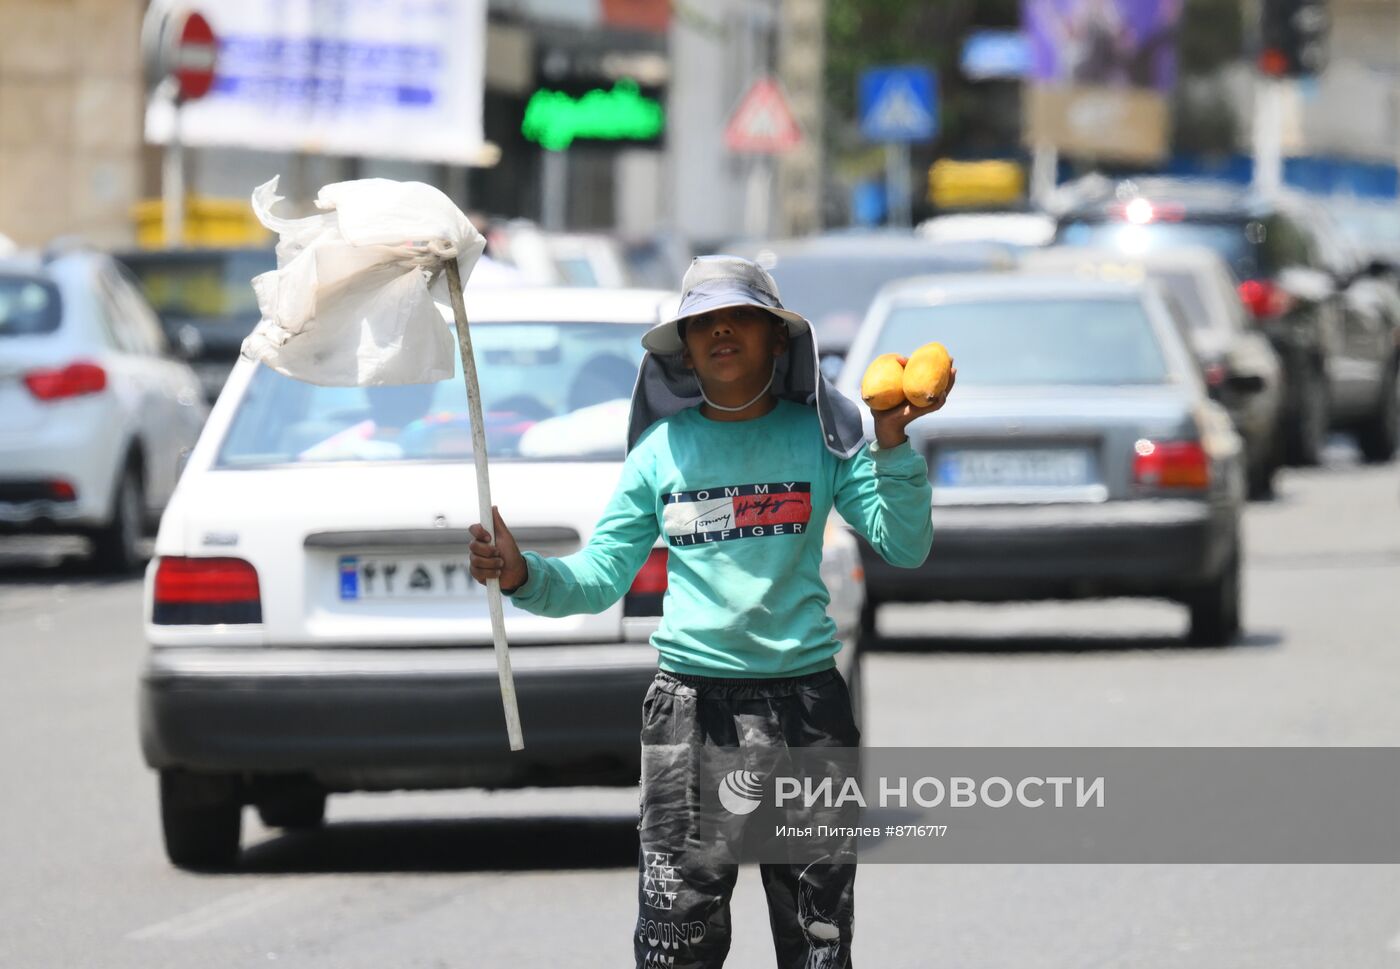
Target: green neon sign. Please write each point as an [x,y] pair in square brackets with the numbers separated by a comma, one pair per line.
[554,119]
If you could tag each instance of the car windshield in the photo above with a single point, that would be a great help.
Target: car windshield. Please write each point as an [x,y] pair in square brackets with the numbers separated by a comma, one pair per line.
[1034,341]
[834,293]
[1374,226]
[28,306]
[1226,238]
[1185,288]
[209,290]
[549,391]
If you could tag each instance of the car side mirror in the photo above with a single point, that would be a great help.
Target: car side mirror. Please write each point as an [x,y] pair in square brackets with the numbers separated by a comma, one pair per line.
[1380,268]
[1245,383]
[1304,282]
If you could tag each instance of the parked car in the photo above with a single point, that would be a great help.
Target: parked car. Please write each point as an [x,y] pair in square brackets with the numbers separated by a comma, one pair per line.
[1021,229]
[1371,298]
[832,279]
[313,627]
[1339,364]
[1080,456]
[658,260]
[561,258]
[1241,368]
[94,411]
[205,301]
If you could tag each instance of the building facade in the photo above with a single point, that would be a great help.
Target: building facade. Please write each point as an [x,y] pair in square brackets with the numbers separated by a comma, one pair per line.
[71,103]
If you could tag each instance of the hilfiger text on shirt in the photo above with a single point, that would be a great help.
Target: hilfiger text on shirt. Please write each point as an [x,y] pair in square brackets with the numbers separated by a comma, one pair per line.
[725,512]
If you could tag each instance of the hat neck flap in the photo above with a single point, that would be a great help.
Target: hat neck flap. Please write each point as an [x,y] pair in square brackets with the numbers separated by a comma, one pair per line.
[665,386]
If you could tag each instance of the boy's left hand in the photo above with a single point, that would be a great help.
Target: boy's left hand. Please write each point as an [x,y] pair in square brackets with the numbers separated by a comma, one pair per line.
[890,424]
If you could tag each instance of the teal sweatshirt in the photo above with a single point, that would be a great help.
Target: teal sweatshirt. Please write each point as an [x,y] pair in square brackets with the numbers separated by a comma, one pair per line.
[742,506]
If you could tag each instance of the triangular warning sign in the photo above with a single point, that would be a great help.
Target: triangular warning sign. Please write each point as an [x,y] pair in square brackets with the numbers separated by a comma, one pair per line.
[763,122]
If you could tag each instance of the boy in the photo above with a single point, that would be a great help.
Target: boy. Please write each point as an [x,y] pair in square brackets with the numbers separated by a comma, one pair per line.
[741,486]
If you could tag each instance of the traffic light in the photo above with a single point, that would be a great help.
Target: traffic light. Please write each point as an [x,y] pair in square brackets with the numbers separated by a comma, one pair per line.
[1293,37]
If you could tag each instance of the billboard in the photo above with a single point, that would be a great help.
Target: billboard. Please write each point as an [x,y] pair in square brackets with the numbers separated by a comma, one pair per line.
[1113,43]
[375,78]
[1101,72]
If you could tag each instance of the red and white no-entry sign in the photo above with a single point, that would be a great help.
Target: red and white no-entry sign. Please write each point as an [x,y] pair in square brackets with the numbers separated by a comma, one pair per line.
[193,54]
[179,44]
[763,122]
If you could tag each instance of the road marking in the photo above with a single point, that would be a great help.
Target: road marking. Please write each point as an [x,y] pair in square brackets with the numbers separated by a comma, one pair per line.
[221,912]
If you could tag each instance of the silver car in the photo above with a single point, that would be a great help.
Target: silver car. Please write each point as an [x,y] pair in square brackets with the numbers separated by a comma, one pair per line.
[1080,456]
[95,413]
[1241,367]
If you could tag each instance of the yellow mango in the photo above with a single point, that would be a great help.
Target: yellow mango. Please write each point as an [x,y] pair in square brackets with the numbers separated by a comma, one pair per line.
[882,386]
[927,374]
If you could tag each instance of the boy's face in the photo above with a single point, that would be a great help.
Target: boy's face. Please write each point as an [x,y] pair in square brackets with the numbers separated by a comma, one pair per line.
[733,349]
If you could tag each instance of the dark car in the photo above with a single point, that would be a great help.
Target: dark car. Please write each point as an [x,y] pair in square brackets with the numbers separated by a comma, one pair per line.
[832,279]
[1298,286]
[1079,457]
[205,301]
[1239,365]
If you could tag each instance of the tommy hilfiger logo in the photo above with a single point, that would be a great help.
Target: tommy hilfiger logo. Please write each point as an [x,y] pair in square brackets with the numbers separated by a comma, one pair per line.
[737,511]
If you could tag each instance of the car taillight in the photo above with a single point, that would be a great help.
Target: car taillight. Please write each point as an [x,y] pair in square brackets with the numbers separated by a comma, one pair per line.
[194,591]
[1141,211]
[1264,300]
[74,380]
[644,597]
[1171,464]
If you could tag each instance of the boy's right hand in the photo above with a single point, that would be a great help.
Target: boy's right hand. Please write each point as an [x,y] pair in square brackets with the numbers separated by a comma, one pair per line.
[499,560]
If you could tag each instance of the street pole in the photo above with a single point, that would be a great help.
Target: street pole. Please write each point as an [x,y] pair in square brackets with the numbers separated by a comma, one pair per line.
[1268,134]
[758,201]
[555,191]
[1045,163]
[173,177]
[897,190]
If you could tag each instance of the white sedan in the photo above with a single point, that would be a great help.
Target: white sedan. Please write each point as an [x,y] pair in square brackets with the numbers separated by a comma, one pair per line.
[313,627]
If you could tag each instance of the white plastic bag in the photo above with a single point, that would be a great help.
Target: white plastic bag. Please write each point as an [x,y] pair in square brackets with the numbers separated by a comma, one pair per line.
[350,303]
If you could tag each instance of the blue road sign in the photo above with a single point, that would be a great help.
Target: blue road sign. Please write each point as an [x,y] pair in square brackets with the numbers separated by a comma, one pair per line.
[996,53]
[898,104]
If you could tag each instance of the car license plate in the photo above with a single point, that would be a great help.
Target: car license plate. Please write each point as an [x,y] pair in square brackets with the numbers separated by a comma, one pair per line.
[1043,467]
[381,577]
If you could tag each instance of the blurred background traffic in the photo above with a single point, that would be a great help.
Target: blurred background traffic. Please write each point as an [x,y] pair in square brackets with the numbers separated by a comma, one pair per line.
[1161,239]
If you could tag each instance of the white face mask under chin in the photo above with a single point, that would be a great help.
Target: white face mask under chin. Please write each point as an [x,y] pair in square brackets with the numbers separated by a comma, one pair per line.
[756,399]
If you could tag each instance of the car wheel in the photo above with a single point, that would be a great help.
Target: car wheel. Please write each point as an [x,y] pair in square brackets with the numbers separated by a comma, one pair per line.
[201,816]
[1262,470]
[1308,429]
[301,810]
[1377,436]
[116,547]
[1215,607]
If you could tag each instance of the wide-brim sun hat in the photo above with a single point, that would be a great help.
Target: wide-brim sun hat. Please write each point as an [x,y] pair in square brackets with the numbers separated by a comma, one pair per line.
[722,282]
[665,385]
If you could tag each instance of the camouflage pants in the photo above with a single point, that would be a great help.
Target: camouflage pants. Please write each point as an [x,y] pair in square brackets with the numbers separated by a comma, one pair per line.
[685,881]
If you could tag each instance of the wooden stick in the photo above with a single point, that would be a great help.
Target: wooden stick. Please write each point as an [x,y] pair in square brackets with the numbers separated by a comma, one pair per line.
[483,494]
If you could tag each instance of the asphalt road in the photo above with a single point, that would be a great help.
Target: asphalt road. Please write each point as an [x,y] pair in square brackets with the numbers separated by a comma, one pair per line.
[546,877]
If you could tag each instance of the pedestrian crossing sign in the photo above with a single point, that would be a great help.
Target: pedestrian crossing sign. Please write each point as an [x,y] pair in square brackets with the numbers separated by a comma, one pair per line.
[898,104]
